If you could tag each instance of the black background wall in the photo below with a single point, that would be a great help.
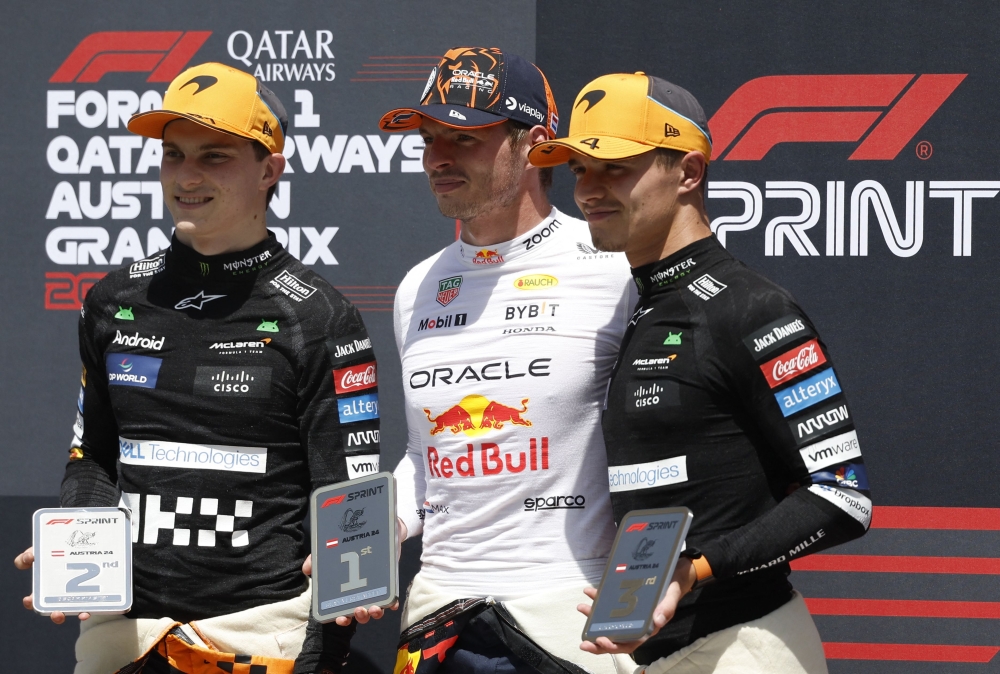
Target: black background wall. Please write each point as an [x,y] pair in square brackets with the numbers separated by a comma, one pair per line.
[913,325]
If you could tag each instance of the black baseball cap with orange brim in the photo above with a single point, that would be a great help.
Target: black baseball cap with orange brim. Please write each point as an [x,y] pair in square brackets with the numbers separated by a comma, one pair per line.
[219,97]
[624,115]
[476,87]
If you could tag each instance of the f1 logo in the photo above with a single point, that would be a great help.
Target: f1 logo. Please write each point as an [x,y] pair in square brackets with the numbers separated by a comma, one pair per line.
[336,500]
[755,117]
[638,526]
[162,53]
[59,521]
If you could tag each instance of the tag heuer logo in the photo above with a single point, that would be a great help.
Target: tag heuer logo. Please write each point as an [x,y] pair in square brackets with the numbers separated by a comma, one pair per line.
[448,289]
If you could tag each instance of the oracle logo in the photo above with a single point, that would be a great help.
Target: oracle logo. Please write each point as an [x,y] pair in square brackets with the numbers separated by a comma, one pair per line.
[355,378]
[767,111]
[161,53]
[793,363]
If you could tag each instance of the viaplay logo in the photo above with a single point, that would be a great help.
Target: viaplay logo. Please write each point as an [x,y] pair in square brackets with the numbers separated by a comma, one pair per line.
[161,53]
[881,115]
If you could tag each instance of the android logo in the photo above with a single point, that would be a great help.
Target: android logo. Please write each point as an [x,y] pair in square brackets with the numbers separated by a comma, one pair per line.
[673,339]
[267,326]
[125,314]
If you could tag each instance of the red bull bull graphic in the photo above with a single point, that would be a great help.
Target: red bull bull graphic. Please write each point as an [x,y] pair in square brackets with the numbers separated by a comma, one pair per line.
[476,415]
[491,460]
[485,256]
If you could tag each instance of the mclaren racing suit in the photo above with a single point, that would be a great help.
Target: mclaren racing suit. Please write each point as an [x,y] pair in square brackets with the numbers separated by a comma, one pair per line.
[506,352]
[217,392]
[724,399]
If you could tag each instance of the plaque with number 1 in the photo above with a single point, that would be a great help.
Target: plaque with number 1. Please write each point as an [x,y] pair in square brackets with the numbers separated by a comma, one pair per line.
[354,546]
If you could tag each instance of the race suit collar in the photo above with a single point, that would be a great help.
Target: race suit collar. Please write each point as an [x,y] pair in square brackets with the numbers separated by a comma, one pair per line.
[507,251]
[660,276]
[189,264]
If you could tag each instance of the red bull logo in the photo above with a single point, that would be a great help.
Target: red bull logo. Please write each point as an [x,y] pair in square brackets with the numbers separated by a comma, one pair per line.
[487,257]
[491,460]
[475,415]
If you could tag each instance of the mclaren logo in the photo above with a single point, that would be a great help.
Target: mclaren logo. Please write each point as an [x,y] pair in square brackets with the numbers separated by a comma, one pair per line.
[592,98]
[202,82]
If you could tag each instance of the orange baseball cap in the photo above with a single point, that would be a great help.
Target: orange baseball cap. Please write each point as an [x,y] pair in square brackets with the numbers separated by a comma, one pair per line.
[222,98]
[622,115]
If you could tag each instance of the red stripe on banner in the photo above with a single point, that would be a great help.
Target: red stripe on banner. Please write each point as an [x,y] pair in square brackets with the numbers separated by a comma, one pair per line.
[904,608]
[389,79]
[955,519]
[910,652]
[898,564]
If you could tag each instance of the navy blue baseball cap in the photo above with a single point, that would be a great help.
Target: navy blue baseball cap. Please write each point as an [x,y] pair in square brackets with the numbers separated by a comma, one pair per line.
[475,87]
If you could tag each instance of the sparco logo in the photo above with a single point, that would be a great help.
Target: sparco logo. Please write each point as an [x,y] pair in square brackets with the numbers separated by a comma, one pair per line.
[828,108]
[250,264]
[555,503]
[135,340]
[162,53]
[791,364]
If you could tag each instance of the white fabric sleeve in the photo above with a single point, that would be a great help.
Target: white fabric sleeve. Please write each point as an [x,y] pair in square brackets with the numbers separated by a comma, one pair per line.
[411,484]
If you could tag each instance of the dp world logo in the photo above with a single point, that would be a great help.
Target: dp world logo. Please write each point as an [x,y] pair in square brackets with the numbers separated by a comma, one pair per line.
[125,365]
[125,369]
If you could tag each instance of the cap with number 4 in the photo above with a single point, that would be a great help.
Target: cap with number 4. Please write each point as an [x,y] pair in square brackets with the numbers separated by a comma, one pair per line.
[622,115]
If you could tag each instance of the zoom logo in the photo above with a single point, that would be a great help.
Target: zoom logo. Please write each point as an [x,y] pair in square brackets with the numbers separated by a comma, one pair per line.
[555,503]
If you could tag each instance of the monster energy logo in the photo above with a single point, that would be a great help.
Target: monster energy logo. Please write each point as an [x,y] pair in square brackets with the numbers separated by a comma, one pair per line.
[204,268]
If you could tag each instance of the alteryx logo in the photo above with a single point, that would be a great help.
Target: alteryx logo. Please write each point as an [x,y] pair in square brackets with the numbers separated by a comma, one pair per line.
[806,393]
[126,369]
[885,110]
[359,408]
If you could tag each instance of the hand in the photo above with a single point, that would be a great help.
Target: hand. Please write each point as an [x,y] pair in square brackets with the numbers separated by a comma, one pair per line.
[363,615]
[24,561]
[684,578]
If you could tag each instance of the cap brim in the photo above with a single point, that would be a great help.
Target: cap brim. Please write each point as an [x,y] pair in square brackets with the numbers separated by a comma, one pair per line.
[606,148]
[455,116]
[151,124]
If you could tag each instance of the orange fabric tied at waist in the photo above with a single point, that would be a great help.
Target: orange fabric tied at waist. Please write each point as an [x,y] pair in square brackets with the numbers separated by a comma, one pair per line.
[186,658]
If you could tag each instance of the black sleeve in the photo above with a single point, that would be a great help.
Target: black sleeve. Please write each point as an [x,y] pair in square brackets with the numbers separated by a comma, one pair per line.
[333,456]
[791,399]
[91,475]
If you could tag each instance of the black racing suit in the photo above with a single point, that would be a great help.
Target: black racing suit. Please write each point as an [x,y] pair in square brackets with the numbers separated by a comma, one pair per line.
[725,400]
[217,393]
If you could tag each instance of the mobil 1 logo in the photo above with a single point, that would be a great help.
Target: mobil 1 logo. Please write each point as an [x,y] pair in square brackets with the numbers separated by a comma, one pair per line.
[83,561]
[353,546]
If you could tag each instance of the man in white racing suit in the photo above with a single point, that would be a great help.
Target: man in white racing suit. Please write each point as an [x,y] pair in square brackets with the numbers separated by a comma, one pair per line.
[507,338]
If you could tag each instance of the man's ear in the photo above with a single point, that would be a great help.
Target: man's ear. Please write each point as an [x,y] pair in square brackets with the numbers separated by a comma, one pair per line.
[693,167]
[275,166]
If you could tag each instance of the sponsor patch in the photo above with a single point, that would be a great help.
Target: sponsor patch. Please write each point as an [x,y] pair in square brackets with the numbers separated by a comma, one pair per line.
[352,347]
[361,465]
[235,382]
[666,393]
[776,335]
[648,475]
[147,267]
[165,454]
[851,502]
[355,378]
[142,342]
[808,392]
[829,417]
[290,286]
[446,321]
[833,450]
[357,440]
[793,363]
[360,408]
[535,282]
[125,369]
[650,364]
[706,287]
[448,289]
[848,475]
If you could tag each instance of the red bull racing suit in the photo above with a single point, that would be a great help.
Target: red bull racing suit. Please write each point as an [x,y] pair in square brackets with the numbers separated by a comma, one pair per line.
[725,400]
[217,393]
[506,352]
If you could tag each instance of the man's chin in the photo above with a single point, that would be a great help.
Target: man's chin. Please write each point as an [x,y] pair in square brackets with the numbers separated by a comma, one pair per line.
[605,243]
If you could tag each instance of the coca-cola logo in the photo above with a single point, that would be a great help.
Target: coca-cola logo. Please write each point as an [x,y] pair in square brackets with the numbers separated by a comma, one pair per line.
[793,363]
[355,378]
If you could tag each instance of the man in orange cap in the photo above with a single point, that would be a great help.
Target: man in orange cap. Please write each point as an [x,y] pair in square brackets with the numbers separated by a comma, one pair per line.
[748,427]
[209,406]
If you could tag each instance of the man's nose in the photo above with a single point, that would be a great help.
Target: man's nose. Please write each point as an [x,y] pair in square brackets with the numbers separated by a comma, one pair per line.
[437,156]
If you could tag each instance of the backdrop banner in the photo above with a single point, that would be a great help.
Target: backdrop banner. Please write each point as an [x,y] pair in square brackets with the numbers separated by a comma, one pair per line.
[853,163]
